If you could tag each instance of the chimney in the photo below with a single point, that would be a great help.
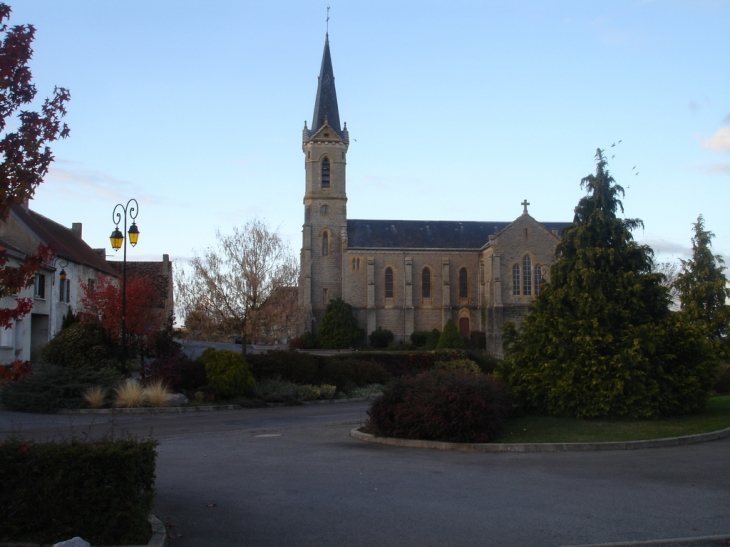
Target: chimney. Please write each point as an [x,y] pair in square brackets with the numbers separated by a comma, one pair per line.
[76,229]
[165,263]
[554,231]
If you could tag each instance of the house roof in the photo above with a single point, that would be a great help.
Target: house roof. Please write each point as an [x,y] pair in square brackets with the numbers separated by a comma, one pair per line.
[152,271]
[63,241]
[427,234]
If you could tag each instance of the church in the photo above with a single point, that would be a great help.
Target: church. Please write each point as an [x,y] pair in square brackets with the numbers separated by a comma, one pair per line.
[409,275]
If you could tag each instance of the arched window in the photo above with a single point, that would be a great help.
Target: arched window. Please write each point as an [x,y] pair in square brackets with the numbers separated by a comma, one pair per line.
[388,282]
[325,244]
[325,173]
[426,283]
[516,279]
[538,277]
[463,284]
[526,275]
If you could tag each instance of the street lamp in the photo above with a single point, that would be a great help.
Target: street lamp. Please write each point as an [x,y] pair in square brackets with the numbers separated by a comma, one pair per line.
[117,239]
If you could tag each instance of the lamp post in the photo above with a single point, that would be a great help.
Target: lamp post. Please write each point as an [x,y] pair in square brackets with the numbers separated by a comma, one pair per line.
[57,261]
[117,239]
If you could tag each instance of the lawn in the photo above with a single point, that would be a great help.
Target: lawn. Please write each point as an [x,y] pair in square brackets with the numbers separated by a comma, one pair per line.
[548,429]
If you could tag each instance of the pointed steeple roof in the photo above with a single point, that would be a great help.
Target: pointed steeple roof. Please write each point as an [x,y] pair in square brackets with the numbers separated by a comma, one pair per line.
[325,105]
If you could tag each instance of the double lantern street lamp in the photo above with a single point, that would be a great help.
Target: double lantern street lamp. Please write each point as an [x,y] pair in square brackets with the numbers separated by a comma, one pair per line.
[117,238]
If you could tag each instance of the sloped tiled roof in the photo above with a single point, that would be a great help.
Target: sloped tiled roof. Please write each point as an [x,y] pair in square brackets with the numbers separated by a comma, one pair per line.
[63,241]
[427,234]
[150,270]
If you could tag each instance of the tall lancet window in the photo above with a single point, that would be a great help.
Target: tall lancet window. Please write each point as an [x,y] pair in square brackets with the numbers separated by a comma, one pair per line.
[516,279]
[426,283]
[526,276]
[325,244]
[463,284]
[325,173]
[388,282]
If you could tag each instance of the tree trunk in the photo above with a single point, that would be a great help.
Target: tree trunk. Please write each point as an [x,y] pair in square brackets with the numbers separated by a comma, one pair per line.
[243,344]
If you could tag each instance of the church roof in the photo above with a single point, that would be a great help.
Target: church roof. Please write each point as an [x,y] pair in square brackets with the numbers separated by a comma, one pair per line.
[427,234]
[325,105]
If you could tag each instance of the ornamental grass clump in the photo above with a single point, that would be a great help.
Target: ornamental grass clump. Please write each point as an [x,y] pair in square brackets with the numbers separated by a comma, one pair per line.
[437,405]
[156,394]
[95,396]
[129,395]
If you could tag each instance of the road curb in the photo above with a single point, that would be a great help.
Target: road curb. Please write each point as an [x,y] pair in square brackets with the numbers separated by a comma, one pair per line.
[703,540]
[158,539]
[543,447]
[145,410]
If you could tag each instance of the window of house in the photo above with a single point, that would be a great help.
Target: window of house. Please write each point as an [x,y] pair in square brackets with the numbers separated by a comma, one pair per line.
[426,283]
[325,296]
[40,286]
[388,282]
[325,244]
[356,264]
[6,337]
[516,279]
[526,275]
[92,285]
[538,277]
[325,173]
[463,284]
[62,290]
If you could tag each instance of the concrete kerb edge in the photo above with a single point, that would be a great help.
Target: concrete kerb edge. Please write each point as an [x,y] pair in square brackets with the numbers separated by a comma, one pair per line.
[159,538]
[674,541]
[543,447]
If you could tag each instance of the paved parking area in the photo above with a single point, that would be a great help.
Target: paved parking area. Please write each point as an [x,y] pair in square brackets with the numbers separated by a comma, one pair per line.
[293,477]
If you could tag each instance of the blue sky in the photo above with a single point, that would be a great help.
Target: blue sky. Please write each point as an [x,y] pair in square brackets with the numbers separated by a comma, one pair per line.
[456,111]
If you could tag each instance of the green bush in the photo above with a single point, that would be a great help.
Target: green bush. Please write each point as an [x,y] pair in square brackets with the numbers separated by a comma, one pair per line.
[53,387]
[101,490]
[450,337]
[463,365]
[350,373]
[228,373]
[281,391]
[433,339]
[381,338]
[478,340]
[300,368]
[305,341]
[419,338]
[79,346]
[722,381]
[441,406]
[338,328]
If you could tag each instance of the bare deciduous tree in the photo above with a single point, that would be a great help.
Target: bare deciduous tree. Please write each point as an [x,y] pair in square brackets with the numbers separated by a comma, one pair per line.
[224,290]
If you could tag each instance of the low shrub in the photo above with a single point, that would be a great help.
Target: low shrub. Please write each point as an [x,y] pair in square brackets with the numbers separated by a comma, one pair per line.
[463,365]
[80,346]
[433,339]
[16,371]
[441,406]
[305,341]
[179,373]
[293,366]
[281,391]
[381,338]
[419,338]
[478,340]
[486,363]
[349,373]
[372,391]
[450,338]
[101,490]
[228,373]
[53,388]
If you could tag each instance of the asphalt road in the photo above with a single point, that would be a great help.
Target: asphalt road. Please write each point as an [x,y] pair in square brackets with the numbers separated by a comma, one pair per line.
[293,477]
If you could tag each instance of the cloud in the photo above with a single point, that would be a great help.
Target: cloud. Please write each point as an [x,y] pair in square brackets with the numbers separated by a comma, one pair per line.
[720,141]
[713,168]
[662,246]
[727,119]
[67,180]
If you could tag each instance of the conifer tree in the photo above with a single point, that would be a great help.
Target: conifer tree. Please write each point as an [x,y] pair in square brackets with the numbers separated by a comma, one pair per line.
[338,329]
[702,286]
[600,339]
[450,337]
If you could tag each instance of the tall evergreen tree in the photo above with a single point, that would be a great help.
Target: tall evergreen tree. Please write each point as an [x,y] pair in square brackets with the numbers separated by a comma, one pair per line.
[702,285]
[338,329]
[600,339]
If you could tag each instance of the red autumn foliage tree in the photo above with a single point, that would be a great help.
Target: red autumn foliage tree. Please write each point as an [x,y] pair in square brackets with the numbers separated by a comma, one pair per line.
[26,156]
[103,305]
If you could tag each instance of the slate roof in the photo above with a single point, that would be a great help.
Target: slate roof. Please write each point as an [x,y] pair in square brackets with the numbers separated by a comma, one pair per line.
[63,241]
[427,234]
[325,105]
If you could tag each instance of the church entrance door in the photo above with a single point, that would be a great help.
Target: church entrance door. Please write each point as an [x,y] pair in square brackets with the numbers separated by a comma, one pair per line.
[464,327]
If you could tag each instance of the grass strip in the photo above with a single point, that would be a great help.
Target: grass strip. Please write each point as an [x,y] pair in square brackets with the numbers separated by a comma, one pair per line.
[551,429]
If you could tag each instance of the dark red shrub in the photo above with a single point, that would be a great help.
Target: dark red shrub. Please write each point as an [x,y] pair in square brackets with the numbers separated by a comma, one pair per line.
[441,406]
[347,374]
[179,373]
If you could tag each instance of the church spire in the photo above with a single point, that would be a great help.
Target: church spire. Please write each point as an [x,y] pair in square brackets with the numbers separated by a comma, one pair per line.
[325,105]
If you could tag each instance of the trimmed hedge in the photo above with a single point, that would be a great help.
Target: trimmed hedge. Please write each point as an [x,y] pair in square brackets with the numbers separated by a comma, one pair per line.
[229,375]
[441,406]
[101,490]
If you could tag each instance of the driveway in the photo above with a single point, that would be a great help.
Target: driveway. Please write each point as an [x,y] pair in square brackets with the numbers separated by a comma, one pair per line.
[293,477]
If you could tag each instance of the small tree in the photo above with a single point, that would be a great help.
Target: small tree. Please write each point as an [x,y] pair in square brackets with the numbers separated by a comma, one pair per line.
[338,329]
[702,286]
[432,340]
[450,337]
[25,154]
[380,338]
[225,289]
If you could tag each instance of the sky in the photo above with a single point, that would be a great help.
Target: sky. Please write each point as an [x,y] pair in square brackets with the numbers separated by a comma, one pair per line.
[456,110]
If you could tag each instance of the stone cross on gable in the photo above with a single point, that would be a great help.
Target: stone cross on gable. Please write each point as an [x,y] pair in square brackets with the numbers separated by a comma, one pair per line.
[524,204]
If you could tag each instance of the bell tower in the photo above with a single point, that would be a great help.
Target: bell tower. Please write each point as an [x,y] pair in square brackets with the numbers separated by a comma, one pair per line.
[324,233]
